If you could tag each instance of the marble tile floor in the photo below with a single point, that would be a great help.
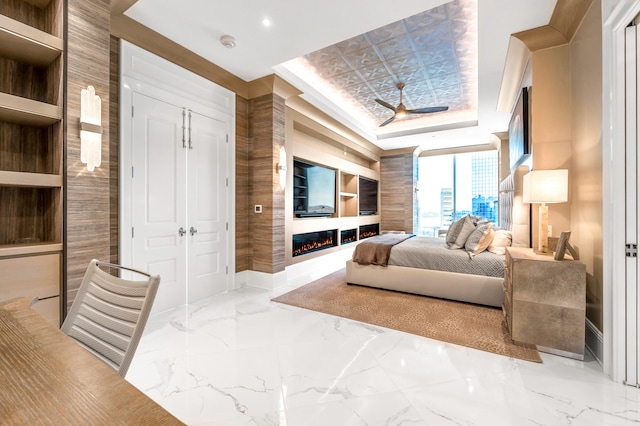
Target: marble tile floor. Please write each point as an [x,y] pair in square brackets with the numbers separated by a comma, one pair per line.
[240,359]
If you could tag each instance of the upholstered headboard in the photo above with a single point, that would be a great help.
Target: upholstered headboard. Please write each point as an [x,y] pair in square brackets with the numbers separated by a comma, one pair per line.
[514,214]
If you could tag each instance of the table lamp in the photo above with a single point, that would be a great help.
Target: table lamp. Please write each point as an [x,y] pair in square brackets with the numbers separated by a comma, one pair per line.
[545,187]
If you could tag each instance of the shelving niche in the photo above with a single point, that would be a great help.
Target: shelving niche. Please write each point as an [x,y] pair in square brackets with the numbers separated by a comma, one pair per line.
[348,194]
[342,226]
[31,147]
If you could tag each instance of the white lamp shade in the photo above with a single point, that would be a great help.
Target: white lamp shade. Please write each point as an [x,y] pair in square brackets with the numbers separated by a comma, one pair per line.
[546,186]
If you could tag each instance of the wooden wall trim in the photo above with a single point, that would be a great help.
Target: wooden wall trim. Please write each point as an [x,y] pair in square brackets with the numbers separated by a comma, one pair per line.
[271,84]
[121,6]
[568,15]
[412,150]
[541,38]
[308,115]
[126,28]
[562,27]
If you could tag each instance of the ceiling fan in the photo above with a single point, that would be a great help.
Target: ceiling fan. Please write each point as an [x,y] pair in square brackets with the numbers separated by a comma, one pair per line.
[401,110]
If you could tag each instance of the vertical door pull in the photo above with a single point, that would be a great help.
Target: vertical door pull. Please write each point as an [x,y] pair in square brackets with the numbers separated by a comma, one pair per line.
[184,119]
[190,145]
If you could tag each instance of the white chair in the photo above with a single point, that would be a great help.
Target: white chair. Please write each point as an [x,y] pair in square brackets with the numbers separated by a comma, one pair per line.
[109,314]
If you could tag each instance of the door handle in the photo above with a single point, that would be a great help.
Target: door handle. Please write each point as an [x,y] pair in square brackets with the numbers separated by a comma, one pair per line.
[181,231]
[193,230]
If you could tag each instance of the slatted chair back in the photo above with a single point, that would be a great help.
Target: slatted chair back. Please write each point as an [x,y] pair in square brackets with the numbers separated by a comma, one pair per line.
[109,314]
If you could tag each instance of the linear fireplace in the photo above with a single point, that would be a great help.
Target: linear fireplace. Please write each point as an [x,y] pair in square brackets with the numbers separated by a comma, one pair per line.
[348,236]
[314,241]
[367,231]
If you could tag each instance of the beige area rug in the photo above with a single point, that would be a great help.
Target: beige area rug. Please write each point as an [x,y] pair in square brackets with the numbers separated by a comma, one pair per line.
[465,324]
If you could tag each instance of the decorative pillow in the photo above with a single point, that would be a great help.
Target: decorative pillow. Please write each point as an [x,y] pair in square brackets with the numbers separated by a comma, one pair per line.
[463,232]
[479,239]
[501,239]
[453,231]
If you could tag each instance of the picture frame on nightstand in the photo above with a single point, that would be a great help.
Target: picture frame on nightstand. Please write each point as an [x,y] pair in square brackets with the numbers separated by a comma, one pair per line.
[563,244]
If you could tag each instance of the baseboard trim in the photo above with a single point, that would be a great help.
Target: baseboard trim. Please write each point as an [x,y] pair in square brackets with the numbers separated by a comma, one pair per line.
[295,275]
[266,281]
[310,270]
[594,340]
[242,278]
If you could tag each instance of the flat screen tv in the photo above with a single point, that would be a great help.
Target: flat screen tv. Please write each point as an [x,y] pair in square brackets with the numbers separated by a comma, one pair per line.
[315,190]
[367,196]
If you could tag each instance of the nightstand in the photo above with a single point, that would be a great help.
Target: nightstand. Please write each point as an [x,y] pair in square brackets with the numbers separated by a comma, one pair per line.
[545,301]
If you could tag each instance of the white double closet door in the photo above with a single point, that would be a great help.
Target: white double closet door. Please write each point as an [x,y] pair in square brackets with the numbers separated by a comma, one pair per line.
[179,190]
[177,155]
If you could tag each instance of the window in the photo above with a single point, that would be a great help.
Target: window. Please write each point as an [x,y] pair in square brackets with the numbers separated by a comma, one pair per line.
[451,186]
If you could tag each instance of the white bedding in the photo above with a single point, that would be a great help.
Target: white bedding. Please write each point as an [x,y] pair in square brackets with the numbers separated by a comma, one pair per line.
[433,253]
[466,287]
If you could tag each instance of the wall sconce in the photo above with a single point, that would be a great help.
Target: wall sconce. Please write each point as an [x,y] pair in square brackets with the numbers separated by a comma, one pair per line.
[545,186]
[90,128]
[282,168]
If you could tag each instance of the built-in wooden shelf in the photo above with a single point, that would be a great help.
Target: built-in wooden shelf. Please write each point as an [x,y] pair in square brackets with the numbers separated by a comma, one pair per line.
[348,194]
[15,109]
[33,180]
[7,250]
[38,3]
[27,44]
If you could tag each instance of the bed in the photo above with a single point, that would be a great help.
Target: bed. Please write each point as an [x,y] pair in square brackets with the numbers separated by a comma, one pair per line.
[469,279]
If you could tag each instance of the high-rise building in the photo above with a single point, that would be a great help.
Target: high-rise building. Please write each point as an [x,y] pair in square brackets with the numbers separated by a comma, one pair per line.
[484,185]
[446,207]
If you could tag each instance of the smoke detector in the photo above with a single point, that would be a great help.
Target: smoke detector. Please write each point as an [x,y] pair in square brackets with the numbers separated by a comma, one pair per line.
[228,41]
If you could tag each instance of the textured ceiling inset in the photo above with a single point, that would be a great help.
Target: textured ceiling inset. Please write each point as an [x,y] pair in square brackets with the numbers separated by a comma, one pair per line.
[434,53]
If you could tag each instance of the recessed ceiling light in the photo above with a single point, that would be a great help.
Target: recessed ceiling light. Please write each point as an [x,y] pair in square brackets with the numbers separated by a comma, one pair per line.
[266,22]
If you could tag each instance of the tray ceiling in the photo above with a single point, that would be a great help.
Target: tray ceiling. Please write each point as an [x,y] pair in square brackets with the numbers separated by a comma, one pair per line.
[434,53]
[344,55]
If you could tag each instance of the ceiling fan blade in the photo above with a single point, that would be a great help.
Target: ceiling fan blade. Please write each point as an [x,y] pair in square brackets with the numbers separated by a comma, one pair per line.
[388,121]
[427,110]
[386,104]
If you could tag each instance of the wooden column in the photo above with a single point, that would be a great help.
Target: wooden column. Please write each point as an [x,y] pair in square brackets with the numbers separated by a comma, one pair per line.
[114,149]
[87,193]
[266,229]
[243,208]
[398,201]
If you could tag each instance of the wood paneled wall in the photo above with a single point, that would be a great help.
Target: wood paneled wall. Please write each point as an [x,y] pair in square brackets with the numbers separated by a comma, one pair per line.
[398,178]
[267,229]
[114,148]
[243,210]
[87,193]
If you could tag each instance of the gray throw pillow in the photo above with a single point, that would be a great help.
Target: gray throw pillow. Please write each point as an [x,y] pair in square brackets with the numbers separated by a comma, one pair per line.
[453,231]
[463,232]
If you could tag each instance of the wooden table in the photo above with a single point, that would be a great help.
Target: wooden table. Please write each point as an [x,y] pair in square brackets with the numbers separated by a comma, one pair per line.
[47,378]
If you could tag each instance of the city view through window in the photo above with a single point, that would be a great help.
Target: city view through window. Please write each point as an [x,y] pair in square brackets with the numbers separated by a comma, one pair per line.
[452,186]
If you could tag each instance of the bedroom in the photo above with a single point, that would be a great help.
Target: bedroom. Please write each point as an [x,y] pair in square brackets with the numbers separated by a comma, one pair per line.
[572,85]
